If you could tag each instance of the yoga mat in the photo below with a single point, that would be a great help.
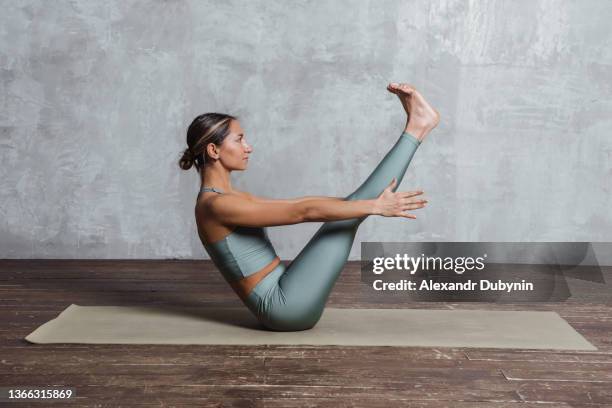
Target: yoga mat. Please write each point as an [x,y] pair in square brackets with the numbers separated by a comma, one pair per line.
[347,327]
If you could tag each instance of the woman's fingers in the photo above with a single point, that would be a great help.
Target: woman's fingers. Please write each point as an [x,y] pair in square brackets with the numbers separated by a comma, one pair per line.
[413,201]
[413,206]
[408,202]
[409,194]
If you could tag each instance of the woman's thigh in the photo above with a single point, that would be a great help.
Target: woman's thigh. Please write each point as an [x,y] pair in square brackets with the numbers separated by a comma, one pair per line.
[282,310]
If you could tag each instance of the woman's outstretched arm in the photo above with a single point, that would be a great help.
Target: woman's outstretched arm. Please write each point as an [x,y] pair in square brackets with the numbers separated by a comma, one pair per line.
[232,209]
[291,200]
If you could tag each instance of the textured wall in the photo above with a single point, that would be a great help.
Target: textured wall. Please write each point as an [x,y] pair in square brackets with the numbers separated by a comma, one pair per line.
[96,96]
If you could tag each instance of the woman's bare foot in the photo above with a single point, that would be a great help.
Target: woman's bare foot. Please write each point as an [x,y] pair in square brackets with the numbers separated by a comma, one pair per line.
[422,118]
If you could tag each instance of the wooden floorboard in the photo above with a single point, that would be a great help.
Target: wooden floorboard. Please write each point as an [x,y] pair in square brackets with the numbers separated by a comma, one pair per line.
[35,291]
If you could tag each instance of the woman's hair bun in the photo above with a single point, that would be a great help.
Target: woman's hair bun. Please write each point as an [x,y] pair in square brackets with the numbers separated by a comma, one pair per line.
[187,160]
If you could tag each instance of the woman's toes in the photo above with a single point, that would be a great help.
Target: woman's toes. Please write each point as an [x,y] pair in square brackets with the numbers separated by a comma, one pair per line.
[407,88]
[395,89]
[403,89]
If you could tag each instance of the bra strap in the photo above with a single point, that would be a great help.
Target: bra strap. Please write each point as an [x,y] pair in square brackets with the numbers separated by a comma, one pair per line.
[210,189]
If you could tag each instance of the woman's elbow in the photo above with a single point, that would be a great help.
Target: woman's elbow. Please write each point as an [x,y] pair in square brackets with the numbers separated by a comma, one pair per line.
[305,212]
[311,212]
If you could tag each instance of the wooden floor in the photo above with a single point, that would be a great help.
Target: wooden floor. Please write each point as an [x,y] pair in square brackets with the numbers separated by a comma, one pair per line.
[35,291]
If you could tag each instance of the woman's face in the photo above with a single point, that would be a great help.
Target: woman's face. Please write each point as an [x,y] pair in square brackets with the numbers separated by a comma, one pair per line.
[235,150]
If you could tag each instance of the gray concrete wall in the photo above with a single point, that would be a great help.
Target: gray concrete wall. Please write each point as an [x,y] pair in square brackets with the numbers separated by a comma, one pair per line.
[96,97]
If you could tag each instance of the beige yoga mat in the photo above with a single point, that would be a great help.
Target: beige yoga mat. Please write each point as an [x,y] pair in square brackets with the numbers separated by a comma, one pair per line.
[349,327]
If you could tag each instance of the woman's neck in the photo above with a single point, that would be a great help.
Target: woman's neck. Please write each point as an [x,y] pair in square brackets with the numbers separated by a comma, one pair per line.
[212,177]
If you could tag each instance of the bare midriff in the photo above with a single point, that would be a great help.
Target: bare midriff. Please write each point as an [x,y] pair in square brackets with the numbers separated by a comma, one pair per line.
[243,287]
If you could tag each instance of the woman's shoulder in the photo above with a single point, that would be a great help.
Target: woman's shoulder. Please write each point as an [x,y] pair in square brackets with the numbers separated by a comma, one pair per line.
[242,194]
[205,199]
[208,226]
[246,195]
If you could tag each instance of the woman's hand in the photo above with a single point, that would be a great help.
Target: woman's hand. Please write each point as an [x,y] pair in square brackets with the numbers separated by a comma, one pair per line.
[390,204]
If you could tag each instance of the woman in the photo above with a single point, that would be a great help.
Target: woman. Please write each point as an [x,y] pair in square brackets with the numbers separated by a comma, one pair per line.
[231,223]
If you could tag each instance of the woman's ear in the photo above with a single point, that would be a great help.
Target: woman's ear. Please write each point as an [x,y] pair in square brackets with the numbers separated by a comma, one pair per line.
[212,150]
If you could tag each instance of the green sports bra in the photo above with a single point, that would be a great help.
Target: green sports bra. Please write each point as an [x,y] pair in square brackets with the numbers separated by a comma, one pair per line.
[243,252]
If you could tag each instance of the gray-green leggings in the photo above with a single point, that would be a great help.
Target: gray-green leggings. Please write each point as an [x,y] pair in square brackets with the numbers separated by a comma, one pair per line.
[293,298]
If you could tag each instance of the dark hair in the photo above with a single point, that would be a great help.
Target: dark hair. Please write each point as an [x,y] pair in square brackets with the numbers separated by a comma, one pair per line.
[206,128]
